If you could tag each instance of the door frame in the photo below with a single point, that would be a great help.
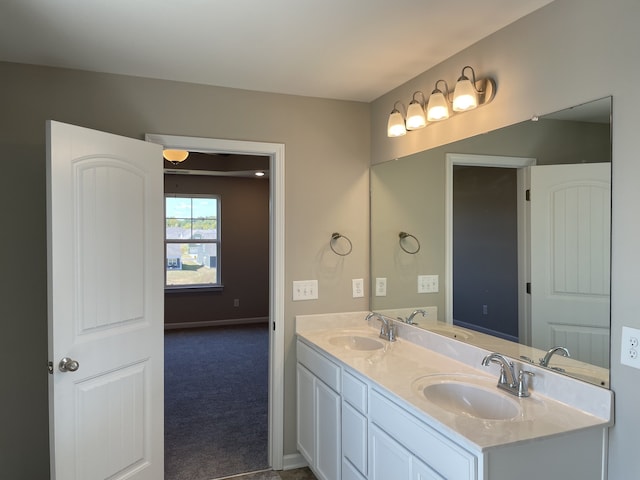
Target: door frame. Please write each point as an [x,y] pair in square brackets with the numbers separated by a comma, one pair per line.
[275,152]
[474,160]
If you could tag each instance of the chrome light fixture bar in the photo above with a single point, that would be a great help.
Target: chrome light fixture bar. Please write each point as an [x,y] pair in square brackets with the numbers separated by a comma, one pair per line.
[468,94]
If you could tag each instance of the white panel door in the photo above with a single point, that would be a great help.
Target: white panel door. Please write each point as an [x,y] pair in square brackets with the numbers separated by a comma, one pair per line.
[570,260]
[105,291]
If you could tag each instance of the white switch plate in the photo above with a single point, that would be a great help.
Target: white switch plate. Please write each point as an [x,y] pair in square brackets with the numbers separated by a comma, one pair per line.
[381,287]
[305,290]
[428,283]
[358,287]
[630,349]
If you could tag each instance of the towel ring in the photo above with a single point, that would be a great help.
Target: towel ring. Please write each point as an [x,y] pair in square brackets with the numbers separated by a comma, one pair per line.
[404,235]
[334,238]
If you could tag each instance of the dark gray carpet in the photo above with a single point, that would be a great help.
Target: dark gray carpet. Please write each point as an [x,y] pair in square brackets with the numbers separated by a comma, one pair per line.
[216,401]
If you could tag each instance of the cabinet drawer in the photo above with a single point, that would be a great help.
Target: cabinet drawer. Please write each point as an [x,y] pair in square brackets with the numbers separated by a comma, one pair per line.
[354,437]
[445,457]
[355,392]
[320,366]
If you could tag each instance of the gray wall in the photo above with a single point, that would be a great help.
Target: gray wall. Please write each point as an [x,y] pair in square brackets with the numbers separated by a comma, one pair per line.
[569,52]
[244,252]
[326,176]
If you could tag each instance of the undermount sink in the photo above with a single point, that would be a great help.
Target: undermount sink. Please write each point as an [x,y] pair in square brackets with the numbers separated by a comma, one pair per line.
[451,333]
[454,394]
[356,342]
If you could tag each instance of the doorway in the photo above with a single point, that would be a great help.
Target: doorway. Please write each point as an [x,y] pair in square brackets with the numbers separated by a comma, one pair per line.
[518,163]
[275,152]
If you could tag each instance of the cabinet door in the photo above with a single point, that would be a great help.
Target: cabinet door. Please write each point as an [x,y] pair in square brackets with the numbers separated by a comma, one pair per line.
[349,472]
[388,460]
[419,471]
[327,425]
[305,414]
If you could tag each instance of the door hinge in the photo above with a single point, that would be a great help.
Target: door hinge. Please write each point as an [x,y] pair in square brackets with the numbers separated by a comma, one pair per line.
[527,195]
[529,288]
[50,368]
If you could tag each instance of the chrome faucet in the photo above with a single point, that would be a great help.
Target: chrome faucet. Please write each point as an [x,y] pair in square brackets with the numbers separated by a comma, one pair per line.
[547,358]
[387,328]
[508,381]
[409,319]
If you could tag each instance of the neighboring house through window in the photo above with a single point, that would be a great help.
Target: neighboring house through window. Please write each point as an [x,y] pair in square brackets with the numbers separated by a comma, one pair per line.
[192,241]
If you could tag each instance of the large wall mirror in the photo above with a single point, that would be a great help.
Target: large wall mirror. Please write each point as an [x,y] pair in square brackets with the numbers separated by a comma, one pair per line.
[503,240]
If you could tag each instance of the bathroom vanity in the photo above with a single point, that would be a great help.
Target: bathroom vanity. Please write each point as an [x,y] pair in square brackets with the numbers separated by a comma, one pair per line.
[424,407]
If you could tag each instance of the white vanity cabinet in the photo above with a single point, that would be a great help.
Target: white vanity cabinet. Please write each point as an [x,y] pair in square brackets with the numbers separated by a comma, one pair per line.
[352,428]
[319,412]
[427,453]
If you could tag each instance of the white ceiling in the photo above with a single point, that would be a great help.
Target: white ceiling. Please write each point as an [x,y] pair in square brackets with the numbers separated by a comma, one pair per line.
[342,49]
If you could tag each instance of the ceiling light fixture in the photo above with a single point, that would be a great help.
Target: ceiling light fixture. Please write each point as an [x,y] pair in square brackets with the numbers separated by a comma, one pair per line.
[175,156]
[395,125]
[467,95]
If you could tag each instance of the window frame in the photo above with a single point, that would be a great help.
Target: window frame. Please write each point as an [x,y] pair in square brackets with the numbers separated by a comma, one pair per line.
[218,286]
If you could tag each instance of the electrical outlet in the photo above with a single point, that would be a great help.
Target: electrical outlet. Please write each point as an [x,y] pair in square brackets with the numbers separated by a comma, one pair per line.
[357,285]
[629,348]
[381,287]
[236,302]
[428,284]
[305,290]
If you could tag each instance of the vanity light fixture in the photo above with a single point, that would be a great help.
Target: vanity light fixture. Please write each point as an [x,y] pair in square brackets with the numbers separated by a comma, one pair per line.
[438,105]
[175,156]
[468,94]
[395,125]
[465,95]
[415,113]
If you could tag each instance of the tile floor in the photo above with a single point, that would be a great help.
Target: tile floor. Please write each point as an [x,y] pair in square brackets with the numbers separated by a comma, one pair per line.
[297,474]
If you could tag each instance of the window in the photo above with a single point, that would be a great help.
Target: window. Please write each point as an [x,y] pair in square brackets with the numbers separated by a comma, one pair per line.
[192,241]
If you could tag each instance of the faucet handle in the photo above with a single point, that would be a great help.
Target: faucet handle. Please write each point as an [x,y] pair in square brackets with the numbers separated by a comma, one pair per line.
[392,332]
[523,387]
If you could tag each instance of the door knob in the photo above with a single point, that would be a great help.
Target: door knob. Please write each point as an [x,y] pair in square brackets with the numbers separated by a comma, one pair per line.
[68,365]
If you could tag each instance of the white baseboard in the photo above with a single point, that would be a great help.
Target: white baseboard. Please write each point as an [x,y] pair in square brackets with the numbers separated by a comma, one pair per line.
[292,461]
[216,323]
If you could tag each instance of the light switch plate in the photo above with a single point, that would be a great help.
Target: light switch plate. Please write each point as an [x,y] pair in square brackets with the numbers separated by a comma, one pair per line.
[630,348]
[428,284]
[305,290]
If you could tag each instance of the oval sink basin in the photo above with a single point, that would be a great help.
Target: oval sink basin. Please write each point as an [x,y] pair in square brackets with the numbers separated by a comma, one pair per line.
[356,342]
[470,399]
[451,333]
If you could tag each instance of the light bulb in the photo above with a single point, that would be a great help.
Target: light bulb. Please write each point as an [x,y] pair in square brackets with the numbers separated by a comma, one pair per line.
[415,116]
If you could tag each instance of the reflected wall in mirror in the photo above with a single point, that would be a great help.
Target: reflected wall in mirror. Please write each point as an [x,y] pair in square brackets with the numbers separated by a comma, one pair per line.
[465,203]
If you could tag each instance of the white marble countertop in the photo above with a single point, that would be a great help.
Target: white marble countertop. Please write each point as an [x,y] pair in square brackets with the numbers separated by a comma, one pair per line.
[557,404]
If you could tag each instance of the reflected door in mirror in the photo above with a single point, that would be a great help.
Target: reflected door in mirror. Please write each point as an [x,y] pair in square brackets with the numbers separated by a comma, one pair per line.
[570,244]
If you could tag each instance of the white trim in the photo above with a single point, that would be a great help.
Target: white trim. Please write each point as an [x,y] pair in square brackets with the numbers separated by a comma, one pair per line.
[483,161]
[293,461]
[275,151]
